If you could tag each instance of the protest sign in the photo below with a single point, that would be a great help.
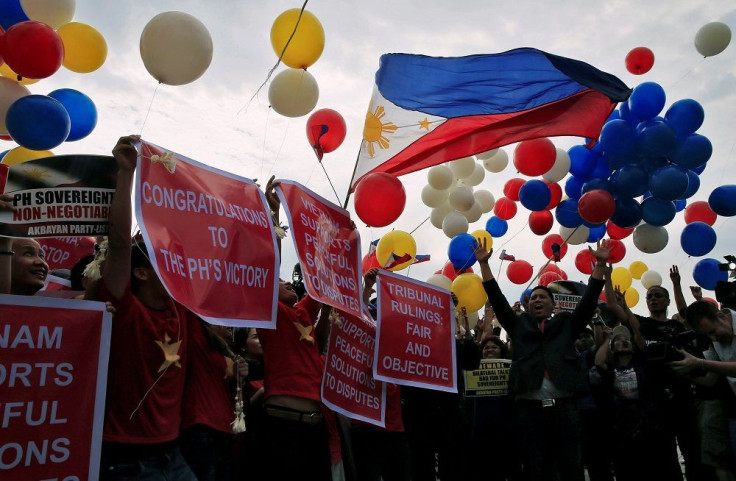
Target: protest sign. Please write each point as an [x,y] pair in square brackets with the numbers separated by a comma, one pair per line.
[210,238]
[328,247]
[348,386]
[416,334]
[64,252]
[64,195]
[53,377]
[490,379]
[567,294]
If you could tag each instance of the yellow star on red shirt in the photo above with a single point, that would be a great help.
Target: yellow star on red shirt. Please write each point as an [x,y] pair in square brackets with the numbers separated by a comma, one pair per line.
[305,332]
[171,352]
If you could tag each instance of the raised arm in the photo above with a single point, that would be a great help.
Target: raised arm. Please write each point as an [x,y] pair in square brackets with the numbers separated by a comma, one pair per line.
[504,313]
[274,204]
[677,289]
[586,307]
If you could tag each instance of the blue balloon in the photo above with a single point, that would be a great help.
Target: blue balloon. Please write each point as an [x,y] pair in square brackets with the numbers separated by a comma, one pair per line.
[496,227]
[573,186]
[615,115]
[685,117]
[693,184]
[692,151]
[617,137]
[527,293]
[630,181]
[656,140]
[596,233]
[707,274]
[594,184]
[582,161]
[699,170]
[627,213]
[38,122]
[625,114]
[647,100]
[535,195]
[680,204]
[82,112]
[601,170]
[11,12]
[723,200]
[567,214]
[461,251]
[697,239]
[657,212]
[617,161]
[669,183]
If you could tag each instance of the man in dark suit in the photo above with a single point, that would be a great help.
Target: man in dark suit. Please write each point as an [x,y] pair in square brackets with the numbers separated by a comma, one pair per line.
[545,373]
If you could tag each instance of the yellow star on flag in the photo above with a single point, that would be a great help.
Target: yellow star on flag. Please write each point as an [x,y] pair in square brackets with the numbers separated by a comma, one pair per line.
[171,351]
[424,124]
[305,332]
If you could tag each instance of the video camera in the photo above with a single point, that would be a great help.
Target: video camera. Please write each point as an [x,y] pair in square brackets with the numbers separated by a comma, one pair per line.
[666,351]
[726,291]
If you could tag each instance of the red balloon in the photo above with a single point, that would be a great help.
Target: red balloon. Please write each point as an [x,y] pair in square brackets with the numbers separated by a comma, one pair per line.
[2,36]
[325,131]
[618,251]
[548,277]
[511,188]
[556,194]
[379,199]
[700,211]
[519,272]
[32,49]
[639,60]
[505,208]
[553,239]
[616,232]
[449,271]
[535,157]
[540,222]
[370,261]
[552,268]
[596,206]
[584,261]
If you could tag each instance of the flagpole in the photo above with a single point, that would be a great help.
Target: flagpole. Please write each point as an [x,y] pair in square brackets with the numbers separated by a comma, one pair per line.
[350,184]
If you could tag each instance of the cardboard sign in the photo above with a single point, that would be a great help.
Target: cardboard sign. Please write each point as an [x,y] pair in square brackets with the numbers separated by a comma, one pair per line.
[63,195]
[490,379]
[327,245]
[64,252]
[348,386]
[210,238]
[53,375]
[567,294]
[416,334]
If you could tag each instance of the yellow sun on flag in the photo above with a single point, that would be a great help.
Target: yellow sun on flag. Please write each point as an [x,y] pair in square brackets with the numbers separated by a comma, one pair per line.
[36,173]
[375,128]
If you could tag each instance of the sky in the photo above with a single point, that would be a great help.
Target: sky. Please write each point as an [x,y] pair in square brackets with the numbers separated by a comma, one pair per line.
[214,120]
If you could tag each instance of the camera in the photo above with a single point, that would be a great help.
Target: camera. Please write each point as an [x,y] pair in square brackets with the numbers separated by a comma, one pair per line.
[666,351]
[726,291]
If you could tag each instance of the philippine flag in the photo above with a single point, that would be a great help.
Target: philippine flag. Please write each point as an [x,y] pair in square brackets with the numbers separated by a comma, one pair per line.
[429,110]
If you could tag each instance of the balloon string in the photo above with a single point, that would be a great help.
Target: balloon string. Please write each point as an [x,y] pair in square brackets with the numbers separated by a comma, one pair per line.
[420,224]
[512,237]
[149,107]
[330,181]
[270,72]
[281,147]
[265,136]
[688,72]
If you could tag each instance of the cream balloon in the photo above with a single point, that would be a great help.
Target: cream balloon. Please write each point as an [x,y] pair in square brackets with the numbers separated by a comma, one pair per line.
[293,93]
[479,173]
[454,223]
[712,39]
[485,199]
[486,155]
[560,168]
[433,197]
[462,167]
[498,162]
[650,239]
[474,213]
[10,91]
[438,215]
[650,279]
[176,48]
[440,281]
[440,177]
[575,235]
[53,13]
[461,198]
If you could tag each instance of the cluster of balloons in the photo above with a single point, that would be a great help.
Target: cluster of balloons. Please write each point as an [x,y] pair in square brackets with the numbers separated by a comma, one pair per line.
[298,40]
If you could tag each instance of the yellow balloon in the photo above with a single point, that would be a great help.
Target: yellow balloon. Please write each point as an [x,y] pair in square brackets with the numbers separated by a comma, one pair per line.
[632,297]
[637,268]
[481,235]
[6,71]
[308,42]
[398,243]
[20,154]
[85,49]
[621,277]
[469,290]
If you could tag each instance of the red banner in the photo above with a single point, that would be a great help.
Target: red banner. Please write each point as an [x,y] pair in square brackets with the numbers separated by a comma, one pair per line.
[64,252]
[53,376]
[416,334]
[348,386]
[327,245]
[210,238]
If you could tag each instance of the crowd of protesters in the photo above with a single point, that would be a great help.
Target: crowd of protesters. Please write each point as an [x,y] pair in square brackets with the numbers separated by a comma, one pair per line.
[597,389]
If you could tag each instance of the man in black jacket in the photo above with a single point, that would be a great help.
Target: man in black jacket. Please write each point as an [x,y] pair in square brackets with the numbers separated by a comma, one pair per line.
[545,374]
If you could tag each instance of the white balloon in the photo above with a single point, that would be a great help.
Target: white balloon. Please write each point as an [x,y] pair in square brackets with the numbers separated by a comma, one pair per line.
[462,167]
[486,155]
[438,214]
[712,39]
[485,199]
[440,281]
[53,13]
[293,93]
[650,279]
[575,235]
[433,197]
[440,177]
[473,214]
[498,162]
[650,239]
[454,223]
[10,91]
[461,198]
[560,168]
[176,48]
[479,173]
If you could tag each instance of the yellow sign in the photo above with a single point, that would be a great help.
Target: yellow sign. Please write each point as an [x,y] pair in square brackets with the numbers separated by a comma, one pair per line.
[490,379]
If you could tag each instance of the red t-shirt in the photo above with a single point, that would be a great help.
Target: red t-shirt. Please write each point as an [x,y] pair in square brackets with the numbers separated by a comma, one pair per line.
[147,360]
[207,396]
[293,365]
